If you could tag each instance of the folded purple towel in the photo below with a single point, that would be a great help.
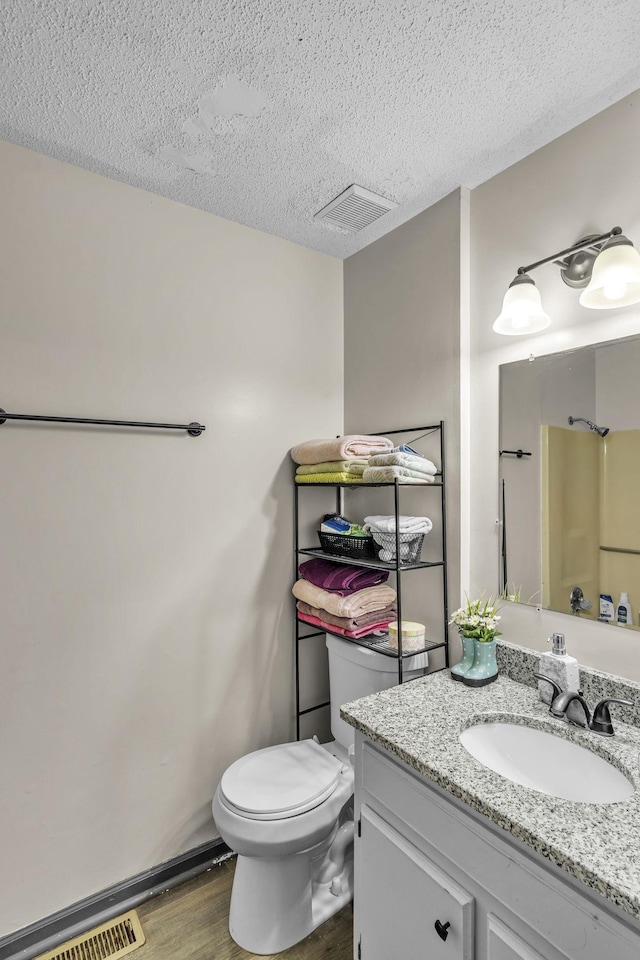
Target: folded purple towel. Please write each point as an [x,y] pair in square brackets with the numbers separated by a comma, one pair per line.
[339,579]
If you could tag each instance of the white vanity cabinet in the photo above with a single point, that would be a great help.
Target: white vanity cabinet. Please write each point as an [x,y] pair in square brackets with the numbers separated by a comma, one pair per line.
[436,881]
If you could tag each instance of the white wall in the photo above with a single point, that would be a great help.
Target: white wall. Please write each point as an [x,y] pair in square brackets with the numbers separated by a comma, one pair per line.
[585,182]
[145,617]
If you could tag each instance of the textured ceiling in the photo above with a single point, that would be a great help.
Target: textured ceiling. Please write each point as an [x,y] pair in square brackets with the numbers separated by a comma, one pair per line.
[262,111]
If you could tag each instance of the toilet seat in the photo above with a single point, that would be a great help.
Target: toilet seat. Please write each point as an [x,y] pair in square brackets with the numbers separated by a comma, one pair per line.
[282,781]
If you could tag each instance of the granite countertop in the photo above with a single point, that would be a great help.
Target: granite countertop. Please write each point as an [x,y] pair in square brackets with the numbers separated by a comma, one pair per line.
[420,723]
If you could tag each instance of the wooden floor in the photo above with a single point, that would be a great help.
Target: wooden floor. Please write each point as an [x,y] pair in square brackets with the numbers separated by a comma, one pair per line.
[192,922]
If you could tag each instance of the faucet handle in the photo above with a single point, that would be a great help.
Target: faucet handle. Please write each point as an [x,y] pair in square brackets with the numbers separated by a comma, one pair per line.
[557,689]
[601,721]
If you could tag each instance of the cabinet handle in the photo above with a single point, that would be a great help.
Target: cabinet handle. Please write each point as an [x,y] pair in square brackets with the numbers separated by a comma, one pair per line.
[442,929]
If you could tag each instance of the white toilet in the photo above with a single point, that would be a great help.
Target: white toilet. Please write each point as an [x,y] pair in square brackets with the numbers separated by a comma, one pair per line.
[287,812]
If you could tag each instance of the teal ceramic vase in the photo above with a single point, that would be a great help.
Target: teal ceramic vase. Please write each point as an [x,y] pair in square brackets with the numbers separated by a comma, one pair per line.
[485,667]
[468,657]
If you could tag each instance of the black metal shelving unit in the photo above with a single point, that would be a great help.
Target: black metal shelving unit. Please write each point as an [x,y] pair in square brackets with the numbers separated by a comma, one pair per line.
[379,643]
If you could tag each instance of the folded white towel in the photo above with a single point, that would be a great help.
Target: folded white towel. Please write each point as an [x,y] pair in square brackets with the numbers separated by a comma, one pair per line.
[408,545]
[407,460]
[388,553]
[383,531]
[387,524]
[390,474]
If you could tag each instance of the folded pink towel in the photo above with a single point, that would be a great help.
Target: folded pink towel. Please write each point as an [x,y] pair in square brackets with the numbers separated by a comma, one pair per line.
[350,623]
[354,634]
[342,448]
[362,601]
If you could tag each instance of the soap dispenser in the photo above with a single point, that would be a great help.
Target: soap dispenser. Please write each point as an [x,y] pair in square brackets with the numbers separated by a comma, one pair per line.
[558,666]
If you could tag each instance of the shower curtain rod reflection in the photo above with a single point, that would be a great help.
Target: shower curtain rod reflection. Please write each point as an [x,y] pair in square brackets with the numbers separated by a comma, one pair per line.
[193,429]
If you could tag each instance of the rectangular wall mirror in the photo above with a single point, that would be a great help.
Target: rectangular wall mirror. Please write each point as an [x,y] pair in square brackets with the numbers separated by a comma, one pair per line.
[570,492]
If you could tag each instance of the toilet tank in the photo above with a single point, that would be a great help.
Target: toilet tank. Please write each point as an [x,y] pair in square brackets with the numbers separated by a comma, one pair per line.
[355,672]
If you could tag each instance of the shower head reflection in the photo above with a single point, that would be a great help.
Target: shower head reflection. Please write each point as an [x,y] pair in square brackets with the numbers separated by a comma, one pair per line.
[601,431]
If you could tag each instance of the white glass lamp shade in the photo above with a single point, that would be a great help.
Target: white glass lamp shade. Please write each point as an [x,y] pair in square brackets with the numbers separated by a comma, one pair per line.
[522,311]
[615,281]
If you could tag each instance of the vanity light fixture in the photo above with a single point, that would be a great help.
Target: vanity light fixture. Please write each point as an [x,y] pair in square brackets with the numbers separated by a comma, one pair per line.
[608,266]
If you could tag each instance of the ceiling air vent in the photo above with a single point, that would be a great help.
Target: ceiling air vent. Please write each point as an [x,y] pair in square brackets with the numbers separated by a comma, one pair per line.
[354,209]
[107,942]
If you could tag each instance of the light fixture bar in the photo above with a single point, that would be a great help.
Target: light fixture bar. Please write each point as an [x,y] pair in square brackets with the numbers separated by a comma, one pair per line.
[582,245]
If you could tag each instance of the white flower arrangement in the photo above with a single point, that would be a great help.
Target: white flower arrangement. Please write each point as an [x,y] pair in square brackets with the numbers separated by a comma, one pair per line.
[478,619]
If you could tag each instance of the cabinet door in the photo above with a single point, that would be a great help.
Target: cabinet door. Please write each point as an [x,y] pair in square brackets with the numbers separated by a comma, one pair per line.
[405,899]
[504,944]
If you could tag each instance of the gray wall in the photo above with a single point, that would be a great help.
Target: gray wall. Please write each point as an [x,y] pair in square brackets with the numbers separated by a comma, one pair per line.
[145,619]
[402,365]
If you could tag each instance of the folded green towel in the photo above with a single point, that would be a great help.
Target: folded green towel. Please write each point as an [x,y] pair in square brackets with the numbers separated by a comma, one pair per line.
[334,466]
[328,478]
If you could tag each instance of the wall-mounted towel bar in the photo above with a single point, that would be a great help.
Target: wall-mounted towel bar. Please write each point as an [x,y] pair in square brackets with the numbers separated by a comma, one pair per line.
[193,429]
[620,550]
[515,453]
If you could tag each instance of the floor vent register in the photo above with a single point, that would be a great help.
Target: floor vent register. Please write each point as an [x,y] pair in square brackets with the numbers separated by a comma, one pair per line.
[113,939]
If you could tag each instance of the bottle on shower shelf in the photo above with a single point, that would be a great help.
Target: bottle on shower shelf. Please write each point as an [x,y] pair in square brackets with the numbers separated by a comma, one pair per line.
[623,610]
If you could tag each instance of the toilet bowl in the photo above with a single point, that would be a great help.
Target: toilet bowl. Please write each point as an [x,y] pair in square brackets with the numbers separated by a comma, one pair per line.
[287,812]
[281,810]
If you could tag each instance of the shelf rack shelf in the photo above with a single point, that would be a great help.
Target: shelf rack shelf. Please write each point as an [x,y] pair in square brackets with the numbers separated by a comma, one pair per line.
[364,486]
[372,564]
[380,641]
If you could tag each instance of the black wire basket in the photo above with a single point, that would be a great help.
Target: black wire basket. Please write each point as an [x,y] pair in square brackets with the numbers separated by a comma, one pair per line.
[384,545]
[343,545]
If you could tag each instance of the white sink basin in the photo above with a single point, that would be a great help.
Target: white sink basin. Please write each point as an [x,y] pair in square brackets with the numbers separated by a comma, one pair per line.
[542,761]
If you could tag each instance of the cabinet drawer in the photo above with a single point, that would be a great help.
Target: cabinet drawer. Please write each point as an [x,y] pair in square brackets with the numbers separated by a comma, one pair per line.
[406,899]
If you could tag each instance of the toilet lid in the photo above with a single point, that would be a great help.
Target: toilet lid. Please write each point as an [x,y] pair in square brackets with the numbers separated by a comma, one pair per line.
[281,781]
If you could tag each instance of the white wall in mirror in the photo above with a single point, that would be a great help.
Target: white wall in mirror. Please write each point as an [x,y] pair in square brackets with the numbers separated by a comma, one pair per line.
[583,183]
[618,385]
[544,390]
